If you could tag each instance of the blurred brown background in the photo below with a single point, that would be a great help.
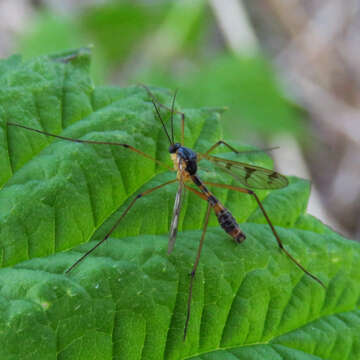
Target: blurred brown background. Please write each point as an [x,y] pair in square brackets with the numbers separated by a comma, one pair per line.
[289,71]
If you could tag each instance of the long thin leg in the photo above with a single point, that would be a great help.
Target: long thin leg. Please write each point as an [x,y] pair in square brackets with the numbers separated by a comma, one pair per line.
[147,192]
[198,193]
[193,272]
[172,110]
[127,146]
[221,142]
[281,246]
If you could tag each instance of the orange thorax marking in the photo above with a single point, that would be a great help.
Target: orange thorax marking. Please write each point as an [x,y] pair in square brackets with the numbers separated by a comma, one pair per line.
[186,176]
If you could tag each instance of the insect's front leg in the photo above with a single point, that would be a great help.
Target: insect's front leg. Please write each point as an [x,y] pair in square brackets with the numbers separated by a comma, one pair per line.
[222,142]
[126,146]
[137,197]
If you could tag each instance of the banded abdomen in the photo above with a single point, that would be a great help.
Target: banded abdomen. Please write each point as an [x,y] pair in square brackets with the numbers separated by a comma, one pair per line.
[224,216]
[229,224]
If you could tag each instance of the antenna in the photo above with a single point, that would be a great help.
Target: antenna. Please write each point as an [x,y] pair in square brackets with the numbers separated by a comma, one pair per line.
[172,116]
[162,122]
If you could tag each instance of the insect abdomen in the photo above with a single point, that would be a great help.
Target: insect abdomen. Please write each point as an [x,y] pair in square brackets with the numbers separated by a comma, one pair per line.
[225,218]
[229,224]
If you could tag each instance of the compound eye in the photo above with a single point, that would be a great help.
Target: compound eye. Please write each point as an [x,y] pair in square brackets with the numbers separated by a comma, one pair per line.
[174,147]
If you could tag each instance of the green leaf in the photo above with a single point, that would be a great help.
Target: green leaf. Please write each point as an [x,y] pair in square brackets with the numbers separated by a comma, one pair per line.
[128,299]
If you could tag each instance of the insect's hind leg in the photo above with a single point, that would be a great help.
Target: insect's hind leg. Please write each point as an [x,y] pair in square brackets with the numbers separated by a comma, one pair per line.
[147,192]
[281,245]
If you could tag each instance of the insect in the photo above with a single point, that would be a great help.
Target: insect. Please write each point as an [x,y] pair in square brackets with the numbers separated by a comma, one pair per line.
[185,164]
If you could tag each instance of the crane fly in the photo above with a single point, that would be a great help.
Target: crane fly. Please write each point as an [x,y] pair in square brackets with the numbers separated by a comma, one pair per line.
[185,164]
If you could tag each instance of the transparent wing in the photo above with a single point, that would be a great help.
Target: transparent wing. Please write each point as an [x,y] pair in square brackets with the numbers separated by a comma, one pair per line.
[176,211]
[251,176]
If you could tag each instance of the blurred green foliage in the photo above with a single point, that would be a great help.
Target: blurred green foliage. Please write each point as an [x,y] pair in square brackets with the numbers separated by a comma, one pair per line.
[117,29]
[246,86]
[176,45]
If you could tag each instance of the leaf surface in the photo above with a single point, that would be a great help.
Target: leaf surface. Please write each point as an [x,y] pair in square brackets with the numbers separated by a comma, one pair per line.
[128,299]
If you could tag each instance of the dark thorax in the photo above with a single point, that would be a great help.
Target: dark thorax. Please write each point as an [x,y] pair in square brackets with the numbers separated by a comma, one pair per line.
[186,159]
